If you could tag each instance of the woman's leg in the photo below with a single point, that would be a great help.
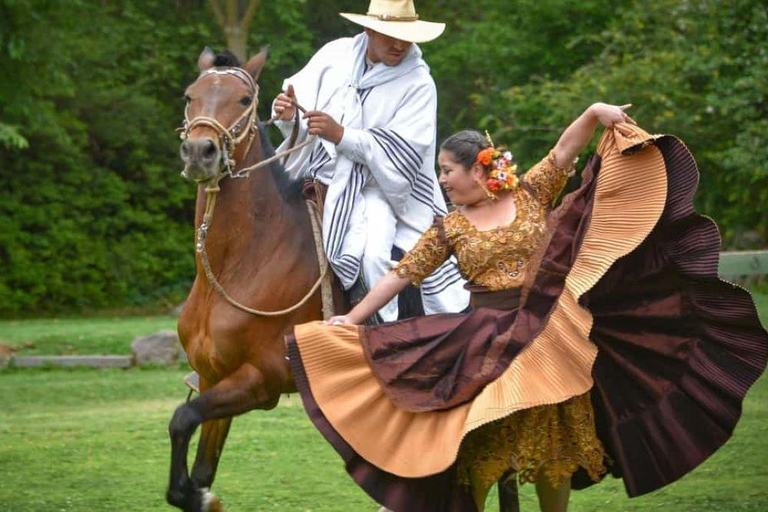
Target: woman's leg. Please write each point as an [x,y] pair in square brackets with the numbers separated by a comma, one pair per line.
[552,499]
[508,496]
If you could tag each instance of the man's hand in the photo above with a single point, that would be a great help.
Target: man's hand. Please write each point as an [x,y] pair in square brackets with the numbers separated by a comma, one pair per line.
[285,104]
[323,125]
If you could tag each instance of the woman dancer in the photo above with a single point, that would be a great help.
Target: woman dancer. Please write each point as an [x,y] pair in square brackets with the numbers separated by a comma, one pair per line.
[599,336]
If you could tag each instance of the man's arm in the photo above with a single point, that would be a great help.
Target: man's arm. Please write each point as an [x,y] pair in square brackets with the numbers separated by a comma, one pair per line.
[324,126]
[304,86]
[395,151]
[284,105]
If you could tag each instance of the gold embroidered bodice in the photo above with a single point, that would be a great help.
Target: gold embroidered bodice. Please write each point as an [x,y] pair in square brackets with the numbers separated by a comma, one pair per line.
[496,258]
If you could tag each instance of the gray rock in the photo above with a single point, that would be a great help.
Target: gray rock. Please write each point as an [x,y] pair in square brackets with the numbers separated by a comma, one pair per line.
[162,347]
[90,361]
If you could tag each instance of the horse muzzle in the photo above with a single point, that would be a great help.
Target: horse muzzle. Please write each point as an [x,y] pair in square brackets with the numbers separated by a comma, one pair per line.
[202,159]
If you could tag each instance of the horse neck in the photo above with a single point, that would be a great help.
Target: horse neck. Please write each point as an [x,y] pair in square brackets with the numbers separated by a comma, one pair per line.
[245,210]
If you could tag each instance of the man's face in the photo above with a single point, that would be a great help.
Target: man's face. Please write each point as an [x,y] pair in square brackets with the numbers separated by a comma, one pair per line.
[386,49]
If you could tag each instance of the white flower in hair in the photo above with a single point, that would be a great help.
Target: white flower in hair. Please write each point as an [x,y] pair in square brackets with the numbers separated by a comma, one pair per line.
[502,176]
[508,155]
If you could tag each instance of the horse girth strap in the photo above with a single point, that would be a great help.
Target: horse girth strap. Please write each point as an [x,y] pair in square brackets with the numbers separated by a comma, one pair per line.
[324,279]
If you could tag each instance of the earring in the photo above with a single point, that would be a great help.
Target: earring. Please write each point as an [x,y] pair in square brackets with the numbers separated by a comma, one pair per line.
[488,193]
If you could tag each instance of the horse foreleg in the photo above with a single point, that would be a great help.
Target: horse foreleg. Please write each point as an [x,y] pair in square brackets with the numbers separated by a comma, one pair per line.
[240,392]
[181,491]
[212,436]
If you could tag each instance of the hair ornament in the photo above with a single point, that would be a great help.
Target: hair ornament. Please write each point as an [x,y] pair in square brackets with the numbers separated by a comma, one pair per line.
[499,166]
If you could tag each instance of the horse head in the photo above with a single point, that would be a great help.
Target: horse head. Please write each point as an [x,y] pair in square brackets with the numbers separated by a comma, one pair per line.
[220,115]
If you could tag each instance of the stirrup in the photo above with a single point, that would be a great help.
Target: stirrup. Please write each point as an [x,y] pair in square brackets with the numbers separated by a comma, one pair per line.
[192,380]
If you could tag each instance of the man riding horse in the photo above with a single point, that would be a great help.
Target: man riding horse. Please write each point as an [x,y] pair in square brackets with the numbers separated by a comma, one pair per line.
[373,110]
[377,162]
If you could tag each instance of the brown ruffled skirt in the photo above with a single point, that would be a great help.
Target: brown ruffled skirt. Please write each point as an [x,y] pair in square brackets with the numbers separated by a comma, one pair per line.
[622,304]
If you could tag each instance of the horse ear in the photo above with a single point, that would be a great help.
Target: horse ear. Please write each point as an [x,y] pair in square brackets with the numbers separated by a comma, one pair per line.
[205,60]
[254,65]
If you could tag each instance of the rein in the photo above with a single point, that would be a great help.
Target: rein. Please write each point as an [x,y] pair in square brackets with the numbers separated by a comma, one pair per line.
[229,139]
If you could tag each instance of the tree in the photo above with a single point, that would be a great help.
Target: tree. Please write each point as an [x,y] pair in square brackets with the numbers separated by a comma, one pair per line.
[235,18]
[695,69]
[93,213]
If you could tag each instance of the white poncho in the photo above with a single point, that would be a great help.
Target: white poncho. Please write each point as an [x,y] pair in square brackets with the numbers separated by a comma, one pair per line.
[386,156]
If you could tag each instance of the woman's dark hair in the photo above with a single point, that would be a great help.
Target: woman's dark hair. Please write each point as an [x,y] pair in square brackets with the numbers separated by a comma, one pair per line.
[465,145]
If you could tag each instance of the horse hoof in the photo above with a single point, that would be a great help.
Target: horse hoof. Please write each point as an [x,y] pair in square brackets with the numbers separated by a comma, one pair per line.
[212,503]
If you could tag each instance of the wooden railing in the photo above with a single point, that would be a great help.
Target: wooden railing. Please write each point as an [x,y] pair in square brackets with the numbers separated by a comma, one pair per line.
[743,263]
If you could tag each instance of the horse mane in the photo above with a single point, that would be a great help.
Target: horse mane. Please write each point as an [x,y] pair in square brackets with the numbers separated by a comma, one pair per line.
[226,59]
[289,188]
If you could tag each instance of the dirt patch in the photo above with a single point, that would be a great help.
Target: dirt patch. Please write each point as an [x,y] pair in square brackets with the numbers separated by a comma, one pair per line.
[6,351]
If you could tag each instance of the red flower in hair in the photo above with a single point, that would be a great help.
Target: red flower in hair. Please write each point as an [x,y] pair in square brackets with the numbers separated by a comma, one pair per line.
[485,156]
[493,185]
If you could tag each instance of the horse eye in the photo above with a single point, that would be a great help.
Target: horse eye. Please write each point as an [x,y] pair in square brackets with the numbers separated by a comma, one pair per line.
[245,101]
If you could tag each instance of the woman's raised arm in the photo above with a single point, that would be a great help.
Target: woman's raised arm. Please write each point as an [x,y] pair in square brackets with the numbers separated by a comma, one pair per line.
[576,137]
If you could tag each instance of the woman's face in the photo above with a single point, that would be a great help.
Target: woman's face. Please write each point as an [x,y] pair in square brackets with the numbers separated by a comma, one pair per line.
[460,183]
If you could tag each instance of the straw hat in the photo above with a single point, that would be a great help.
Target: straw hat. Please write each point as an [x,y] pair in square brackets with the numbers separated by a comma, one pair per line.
[398,19]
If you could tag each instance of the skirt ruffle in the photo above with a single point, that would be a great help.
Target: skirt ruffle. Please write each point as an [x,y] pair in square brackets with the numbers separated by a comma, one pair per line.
[678,348]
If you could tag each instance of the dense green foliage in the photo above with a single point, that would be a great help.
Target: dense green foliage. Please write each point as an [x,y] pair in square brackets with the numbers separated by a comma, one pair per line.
[696,69]
[93,213]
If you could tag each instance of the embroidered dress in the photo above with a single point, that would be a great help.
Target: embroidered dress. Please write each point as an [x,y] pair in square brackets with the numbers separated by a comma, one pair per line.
[619,306]
[495,258]
[555,439]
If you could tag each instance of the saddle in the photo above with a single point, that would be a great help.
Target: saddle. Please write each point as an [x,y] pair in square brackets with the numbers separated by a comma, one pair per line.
[335,300]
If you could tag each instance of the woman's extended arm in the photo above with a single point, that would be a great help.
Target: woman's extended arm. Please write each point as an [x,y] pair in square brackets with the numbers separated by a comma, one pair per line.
[428,254]
[576,137]
[386,289]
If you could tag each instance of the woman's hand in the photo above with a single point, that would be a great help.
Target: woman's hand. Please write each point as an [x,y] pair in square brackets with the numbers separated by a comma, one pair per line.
[385,290]
[576,137]
[338,320]
[609,115]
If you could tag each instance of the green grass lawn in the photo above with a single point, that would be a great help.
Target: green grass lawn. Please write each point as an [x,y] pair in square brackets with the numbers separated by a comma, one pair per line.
[96,440]
[90,440]
[79,336]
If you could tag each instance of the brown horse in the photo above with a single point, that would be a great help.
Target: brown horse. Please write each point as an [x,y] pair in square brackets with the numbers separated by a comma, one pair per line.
[262,252]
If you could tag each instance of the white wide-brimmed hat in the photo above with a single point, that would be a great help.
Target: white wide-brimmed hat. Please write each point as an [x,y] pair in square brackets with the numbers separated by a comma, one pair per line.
[398,19]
